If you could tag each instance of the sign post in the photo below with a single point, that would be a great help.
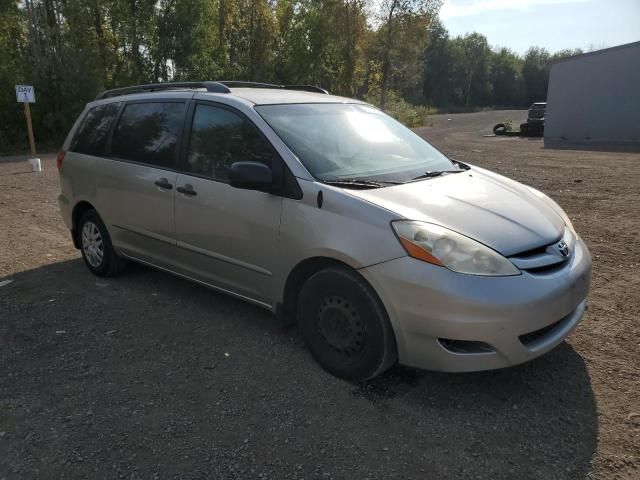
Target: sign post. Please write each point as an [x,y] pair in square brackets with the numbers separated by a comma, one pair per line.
[27,94]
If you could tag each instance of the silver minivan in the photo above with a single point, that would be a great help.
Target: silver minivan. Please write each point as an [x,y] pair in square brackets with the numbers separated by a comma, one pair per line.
[330,214]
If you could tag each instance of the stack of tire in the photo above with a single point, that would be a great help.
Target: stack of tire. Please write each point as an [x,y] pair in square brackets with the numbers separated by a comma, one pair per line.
[531,129]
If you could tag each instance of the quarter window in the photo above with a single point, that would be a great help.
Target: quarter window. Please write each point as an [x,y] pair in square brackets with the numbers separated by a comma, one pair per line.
[220,138]
[91,138]
[148,133]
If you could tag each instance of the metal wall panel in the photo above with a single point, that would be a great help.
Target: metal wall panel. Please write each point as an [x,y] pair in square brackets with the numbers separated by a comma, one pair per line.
[594,100]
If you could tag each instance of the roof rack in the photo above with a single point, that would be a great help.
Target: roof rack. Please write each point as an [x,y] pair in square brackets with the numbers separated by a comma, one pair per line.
[222,86]
[241,84]
[214,87]
[307,88]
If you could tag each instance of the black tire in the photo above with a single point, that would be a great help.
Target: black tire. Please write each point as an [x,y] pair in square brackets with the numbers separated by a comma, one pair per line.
[345,326]
[536,130]
[110,263]
[500,129]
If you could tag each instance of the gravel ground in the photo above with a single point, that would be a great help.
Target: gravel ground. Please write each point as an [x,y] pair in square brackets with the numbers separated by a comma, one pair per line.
[149,376]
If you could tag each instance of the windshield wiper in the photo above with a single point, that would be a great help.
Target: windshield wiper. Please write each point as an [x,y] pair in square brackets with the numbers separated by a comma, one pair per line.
[359,183]
[434,173]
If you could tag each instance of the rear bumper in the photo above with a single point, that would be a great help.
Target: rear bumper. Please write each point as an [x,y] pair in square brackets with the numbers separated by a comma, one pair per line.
[65,210]
[435,313]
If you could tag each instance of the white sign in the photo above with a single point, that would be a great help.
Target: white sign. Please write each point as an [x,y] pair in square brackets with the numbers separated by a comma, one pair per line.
[25,93]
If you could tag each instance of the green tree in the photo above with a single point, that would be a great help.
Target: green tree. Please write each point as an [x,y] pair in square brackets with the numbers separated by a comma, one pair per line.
[436,88]
[476,66]
[188,46]
[13,45]
[506,78]
[394,53]
[402,38]
[321,43]
[535,71]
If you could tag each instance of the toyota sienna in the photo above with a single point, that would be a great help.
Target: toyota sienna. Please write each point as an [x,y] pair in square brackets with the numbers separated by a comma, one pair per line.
[329,213]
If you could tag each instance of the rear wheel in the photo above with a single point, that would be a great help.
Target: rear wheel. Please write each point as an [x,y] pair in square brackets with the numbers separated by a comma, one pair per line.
[345,326]
[95,245]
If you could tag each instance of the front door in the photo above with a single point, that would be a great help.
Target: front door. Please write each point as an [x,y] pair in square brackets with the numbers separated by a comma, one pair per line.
[226,236]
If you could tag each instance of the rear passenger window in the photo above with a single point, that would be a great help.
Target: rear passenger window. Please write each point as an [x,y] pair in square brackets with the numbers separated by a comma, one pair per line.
[148,133]
[219,138]
[91,138]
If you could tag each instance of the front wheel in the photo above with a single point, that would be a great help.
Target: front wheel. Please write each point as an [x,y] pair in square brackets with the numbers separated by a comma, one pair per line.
[345,325]
[95,245]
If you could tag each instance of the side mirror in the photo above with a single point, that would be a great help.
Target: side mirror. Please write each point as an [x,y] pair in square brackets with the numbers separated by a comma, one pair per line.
[251,176]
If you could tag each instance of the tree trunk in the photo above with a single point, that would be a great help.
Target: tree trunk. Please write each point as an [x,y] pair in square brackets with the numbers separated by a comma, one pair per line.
[386,64]
[102,46]
[250,69]
[470,76]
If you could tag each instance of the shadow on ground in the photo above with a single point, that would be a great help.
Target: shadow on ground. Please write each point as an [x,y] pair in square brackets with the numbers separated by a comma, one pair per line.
[147,374]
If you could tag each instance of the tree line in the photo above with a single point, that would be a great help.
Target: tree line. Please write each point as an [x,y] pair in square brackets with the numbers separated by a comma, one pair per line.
[393,53]
[464,72]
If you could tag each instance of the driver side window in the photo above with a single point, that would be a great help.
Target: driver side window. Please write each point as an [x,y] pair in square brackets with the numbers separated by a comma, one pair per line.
[220,138]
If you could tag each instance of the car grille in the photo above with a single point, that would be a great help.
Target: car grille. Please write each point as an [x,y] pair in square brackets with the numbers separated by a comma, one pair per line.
[541,260]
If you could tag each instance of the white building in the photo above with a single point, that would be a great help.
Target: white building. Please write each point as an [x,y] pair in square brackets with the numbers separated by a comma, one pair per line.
[593,100]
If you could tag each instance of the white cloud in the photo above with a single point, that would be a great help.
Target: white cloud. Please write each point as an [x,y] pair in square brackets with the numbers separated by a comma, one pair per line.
[467,8]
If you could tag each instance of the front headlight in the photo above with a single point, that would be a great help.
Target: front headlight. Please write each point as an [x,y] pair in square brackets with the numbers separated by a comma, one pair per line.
[441,246]
[555,207]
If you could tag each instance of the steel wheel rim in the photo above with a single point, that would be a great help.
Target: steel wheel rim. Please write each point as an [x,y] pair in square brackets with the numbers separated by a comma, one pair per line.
[92,244]
[340,326]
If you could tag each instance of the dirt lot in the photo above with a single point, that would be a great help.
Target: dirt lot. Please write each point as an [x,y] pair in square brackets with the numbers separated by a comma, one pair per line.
[149,376]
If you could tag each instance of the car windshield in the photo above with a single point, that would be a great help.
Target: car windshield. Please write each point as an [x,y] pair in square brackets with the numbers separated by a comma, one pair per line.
[351,141]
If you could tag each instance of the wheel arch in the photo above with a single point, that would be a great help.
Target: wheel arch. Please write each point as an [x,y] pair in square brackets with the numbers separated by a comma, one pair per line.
[79,209]
[286,310]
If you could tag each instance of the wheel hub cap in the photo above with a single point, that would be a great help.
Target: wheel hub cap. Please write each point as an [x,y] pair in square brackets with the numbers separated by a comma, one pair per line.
[92,244]
[340,326]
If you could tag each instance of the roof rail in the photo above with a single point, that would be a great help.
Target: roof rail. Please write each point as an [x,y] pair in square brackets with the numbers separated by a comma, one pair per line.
[213,87]
[221,86]
[306,88]
[241,84]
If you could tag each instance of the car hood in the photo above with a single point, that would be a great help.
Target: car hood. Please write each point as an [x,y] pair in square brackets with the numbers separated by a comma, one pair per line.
[501,213]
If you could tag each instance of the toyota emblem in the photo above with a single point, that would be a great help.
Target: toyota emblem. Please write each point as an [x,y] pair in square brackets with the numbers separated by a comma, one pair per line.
[563,248]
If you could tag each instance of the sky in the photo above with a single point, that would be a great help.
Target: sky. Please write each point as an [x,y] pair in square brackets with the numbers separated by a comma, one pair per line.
[552,24]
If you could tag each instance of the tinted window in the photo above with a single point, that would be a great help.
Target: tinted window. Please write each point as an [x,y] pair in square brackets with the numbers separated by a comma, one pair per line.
[148,133]
[91,138]
[219,138]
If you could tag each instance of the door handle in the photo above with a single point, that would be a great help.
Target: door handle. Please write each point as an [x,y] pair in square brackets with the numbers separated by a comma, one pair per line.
[187,190]
[163,183]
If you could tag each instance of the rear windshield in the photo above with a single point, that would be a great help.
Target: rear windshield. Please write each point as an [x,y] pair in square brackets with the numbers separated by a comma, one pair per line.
[340,141]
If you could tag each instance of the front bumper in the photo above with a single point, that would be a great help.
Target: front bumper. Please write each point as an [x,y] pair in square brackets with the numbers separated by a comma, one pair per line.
[518,318]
